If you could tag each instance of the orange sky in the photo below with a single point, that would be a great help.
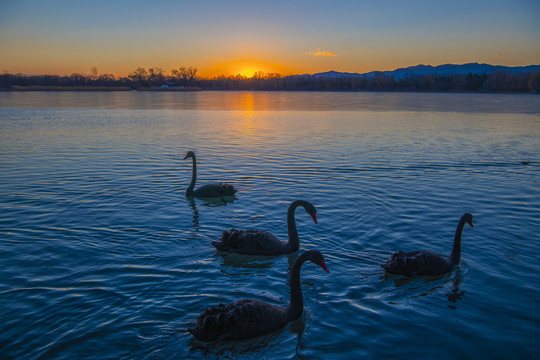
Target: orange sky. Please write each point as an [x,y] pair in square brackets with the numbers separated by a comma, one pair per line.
[217,37]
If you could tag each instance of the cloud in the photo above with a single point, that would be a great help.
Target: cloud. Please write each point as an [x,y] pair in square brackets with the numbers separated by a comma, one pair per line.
[498,55]
[322,53]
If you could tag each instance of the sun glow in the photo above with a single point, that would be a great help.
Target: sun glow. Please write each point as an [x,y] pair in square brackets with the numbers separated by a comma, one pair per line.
[248,72]
[247,68]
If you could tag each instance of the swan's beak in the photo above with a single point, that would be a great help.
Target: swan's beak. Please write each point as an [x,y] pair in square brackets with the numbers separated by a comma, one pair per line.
[314,216]
[185,157]
[323,266]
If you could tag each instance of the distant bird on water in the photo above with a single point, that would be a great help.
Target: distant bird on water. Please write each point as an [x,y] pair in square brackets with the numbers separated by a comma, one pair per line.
[208,190]
[425,263]
[258,242]
[250,318]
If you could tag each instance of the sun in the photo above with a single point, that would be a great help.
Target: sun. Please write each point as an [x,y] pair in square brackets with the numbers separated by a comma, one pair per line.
[248,72]
[247,68]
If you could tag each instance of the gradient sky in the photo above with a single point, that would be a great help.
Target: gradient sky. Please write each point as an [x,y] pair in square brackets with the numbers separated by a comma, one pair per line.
[287,37]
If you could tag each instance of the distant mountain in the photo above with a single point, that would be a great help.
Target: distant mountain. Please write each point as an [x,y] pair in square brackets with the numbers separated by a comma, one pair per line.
[448,69]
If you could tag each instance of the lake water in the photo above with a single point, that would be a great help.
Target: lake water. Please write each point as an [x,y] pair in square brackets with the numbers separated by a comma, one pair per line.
[103,257]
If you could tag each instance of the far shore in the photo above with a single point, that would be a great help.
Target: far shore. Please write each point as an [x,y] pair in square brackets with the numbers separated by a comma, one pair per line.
[19,88]
[93,88]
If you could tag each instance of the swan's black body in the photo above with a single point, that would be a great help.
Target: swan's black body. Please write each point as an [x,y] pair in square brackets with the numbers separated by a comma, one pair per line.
[425,263]
[250,318]
[209,190]
[257,242]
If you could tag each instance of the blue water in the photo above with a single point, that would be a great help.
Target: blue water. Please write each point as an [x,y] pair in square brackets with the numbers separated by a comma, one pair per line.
[103,257]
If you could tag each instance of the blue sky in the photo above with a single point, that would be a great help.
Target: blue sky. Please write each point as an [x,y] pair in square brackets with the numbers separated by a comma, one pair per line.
[232,37]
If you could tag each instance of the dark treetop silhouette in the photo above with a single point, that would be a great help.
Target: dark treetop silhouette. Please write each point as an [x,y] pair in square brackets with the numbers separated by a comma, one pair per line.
[250,318]
[208,190]
[258,242]
[425,263]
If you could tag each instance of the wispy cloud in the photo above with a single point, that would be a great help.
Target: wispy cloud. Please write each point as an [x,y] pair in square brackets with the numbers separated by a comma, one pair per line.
[498,55]
[320,52]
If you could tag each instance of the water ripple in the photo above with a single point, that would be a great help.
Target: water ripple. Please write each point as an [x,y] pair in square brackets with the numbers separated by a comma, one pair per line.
[102,253]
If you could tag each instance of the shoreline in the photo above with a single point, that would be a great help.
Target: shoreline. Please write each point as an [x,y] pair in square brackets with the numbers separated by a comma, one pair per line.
[92,88]
[18,88]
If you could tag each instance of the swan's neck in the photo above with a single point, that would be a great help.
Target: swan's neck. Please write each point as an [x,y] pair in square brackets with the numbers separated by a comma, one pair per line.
[455,256]
[296,306]
[294,242]
[189,190]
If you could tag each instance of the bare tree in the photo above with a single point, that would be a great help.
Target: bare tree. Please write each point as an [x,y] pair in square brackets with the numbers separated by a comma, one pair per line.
[184,75]
[156,76]
[93,73]
[139,76]
[259,75]
[534,81]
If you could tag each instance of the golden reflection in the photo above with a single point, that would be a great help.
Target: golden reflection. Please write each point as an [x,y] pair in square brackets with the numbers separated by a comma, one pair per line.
[361,307]
[246,123]
[247,101]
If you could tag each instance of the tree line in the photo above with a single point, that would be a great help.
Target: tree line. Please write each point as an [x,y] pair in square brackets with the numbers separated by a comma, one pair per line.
[183,76]
[140,78]
[495,82]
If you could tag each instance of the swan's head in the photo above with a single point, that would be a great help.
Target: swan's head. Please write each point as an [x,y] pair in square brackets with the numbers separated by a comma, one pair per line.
[317,258]
[310,209]
[190,154]
[468,219]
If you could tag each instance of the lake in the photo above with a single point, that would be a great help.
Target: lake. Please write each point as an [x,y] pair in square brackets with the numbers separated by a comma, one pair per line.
[104,257]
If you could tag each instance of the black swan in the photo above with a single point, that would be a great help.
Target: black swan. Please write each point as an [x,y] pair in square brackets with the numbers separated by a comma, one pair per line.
[209,190]
[425,263]
[257,242]
[250,318]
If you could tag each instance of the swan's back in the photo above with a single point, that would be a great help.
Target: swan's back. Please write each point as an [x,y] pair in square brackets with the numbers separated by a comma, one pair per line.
[240,320]
[417,263]
[215,190]
[250,242]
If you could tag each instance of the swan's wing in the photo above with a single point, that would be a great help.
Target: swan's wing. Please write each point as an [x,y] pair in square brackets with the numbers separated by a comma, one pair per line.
[417,263]
[215,190]
[249,242]
[239,320]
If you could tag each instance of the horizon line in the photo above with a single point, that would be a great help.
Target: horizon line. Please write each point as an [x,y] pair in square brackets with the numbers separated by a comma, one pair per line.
[7,72]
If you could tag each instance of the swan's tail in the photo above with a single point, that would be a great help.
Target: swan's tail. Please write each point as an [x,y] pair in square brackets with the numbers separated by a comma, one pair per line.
[219,245]
[226,189]
[228,240]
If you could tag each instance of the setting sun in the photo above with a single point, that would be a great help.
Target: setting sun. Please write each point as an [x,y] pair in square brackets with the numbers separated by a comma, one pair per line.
[248,72]
[247,68]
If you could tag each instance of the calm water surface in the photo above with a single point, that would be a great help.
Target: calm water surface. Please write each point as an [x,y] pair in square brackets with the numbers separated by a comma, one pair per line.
[103,257]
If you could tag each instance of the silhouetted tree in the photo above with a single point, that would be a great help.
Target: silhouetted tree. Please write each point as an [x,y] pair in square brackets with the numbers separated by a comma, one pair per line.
[475,82]
[495,82]
[155,76]
[534,81]
[184,75]
[93,73]
[139,77]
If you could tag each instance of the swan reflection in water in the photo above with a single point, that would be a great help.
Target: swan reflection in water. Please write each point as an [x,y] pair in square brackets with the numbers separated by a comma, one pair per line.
[207,202]
[195,220]
[456,294]
[427,286]
[252,345]
[254,261]
[248,262]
